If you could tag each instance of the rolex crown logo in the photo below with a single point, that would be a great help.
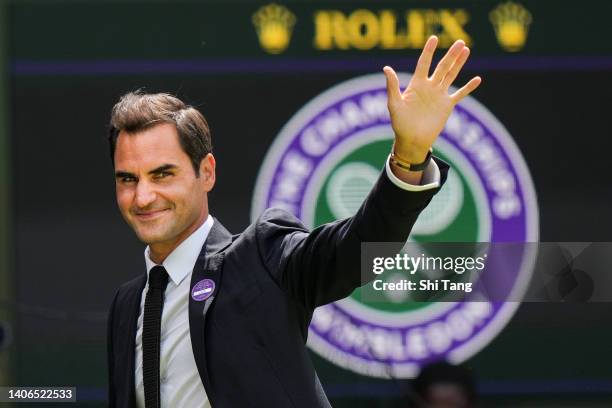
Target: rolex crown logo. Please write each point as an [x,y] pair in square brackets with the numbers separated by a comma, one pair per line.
[274,25]
[511,23]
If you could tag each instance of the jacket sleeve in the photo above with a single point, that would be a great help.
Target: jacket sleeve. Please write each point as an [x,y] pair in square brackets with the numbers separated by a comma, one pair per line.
[322,266]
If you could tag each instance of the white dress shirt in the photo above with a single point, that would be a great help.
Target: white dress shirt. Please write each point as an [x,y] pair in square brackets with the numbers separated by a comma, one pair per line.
[180,384]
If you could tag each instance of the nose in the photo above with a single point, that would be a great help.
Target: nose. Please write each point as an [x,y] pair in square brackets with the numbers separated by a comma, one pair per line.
[145,194]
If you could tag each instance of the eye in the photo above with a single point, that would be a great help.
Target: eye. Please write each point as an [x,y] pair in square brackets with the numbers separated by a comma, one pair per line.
[128,179]
[161,175]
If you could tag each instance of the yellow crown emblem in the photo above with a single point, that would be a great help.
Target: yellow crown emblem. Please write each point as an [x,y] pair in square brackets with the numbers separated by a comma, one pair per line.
[274,25]
[511,23]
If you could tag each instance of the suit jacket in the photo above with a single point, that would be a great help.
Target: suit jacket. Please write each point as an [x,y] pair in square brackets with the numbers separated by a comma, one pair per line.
[249,337]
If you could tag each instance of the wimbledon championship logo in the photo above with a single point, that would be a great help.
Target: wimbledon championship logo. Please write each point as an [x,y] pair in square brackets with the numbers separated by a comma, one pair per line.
[320,168]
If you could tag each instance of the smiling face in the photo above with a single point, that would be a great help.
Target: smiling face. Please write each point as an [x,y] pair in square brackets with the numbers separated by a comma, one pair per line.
[158,192]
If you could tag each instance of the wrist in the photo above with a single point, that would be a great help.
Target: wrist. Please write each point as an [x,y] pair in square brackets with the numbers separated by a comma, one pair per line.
[409,154]
[410,164]
[407,176]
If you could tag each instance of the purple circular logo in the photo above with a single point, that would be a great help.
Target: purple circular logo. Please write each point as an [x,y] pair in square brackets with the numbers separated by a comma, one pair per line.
[203,290]
[321,167]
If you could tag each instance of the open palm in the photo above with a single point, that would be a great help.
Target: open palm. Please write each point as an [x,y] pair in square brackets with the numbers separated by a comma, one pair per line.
[419,114]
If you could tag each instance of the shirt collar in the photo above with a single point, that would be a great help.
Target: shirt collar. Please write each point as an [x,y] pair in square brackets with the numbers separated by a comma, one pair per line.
[181,260]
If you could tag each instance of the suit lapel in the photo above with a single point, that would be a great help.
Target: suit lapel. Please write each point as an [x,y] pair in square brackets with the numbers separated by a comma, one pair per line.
[208,268]
[128,324]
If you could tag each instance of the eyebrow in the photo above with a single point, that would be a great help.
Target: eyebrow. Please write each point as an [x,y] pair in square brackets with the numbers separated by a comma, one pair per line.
[157,170]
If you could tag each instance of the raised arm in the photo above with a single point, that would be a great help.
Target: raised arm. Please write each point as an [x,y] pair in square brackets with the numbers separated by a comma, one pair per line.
[322,266]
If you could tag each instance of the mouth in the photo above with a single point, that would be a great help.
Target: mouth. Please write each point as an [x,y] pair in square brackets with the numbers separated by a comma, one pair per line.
[150,215]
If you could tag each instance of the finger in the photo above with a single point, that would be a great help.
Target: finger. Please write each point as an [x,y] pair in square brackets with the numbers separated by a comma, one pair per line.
[393,86]
[424,62]
[447,61]
[466,89]
[454,71]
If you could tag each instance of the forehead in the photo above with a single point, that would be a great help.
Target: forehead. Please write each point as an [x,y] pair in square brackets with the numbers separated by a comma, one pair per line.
[150,147]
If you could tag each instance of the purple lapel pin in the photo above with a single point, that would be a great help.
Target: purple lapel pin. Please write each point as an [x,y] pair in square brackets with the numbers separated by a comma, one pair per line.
[202,290]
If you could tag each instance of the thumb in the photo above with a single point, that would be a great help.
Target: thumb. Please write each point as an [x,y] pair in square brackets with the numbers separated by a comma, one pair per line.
[393,89]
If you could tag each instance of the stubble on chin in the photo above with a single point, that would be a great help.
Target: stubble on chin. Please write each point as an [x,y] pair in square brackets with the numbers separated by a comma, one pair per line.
[154,233]
[149,235]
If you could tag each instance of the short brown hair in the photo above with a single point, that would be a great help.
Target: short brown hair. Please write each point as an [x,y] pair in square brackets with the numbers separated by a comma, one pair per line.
[138,111]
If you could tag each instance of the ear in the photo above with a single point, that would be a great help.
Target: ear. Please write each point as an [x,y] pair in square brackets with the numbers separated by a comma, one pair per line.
[207,171]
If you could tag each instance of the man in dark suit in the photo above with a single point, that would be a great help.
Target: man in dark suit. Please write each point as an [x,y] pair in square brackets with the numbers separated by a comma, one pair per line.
[221,320]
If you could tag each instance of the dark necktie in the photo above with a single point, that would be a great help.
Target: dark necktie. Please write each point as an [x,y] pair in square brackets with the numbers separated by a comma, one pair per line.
[151,327]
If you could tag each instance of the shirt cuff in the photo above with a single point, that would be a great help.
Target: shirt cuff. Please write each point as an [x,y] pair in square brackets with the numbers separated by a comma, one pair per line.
[429,180]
